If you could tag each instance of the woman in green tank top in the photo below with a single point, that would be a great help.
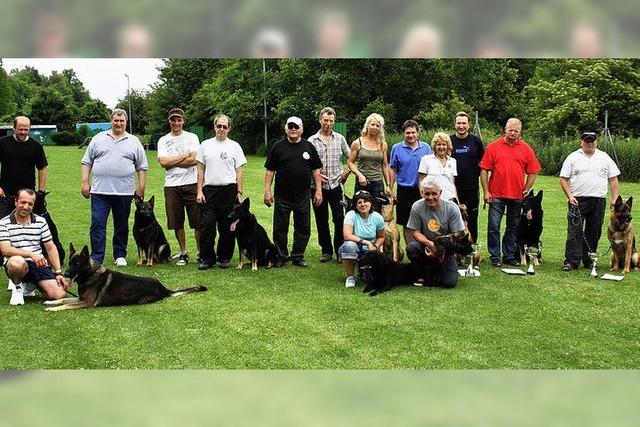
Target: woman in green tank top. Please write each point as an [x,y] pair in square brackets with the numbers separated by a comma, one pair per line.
[368,159]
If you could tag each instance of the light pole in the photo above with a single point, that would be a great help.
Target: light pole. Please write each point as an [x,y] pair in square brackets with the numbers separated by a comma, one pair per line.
[129,97]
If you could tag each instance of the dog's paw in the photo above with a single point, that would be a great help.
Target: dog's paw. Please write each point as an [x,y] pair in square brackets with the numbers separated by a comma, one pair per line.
[239,267]
[52,308]
[52,302]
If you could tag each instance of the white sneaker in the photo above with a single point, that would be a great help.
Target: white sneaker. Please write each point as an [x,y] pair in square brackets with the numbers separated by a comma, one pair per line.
[350,282]
[11,286]
[121,262]
[17,297]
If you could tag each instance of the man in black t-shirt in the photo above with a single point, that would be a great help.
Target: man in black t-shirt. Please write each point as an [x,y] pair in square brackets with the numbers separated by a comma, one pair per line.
[468,151]
[293,161]
[20,157]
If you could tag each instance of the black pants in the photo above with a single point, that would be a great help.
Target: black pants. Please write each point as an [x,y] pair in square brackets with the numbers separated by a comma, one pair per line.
[471,198]
[330,198]
[283,208]
[591,219]
[443,275]
[213,213]
[7,205]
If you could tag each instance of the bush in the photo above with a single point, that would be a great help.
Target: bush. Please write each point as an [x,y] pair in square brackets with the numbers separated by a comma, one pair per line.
[66,138]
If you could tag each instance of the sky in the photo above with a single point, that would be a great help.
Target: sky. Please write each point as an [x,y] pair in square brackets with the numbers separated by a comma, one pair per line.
[104,78]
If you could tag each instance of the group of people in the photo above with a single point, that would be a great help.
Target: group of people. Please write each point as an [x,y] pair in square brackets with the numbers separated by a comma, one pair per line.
[205,180]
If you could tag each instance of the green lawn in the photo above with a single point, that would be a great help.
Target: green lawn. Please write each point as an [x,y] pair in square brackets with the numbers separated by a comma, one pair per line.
[294,318]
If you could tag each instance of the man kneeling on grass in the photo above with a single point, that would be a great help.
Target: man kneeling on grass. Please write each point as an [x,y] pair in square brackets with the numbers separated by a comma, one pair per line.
[431,217]
[21,233]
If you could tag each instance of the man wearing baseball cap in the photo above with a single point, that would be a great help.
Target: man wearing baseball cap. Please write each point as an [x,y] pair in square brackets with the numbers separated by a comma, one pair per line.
[177,154]
[293,161]
[583,178]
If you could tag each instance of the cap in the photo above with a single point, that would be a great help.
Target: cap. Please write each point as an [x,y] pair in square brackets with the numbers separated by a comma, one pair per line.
[176,112]
[588,136]
[294,119]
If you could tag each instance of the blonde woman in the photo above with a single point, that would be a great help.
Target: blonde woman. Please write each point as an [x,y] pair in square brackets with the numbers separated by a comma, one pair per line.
[441,165]
[368,159]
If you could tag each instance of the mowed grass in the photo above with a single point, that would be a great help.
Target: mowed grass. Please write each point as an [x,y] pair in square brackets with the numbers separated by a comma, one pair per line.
[293,318]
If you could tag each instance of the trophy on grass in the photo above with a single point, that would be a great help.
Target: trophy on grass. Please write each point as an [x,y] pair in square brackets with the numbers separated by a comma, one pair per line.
[532,252]
[470,271]
[593,256]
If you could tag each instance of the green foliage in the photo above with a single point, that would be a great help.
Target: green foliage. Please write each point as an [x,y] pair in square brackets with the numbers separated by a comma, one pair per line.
[442,114]
[94,111]
[627,153]
[48,106]
[67,138]
[387,111]
[139,116]
[6,94]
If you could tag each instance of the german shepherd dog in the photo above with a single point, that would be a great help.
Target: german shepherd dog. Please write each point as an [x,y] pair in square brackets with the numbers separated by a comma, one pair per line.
[530,227]
[620,234]
[40,208]
[148,234]
[381,273]
[392,245]
[253,241]
[100,287]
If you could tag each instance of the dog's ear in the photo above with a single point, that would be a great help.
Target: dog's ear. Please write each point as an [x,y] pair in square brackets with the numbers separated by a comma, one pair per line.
[246,203]
[72,250]
[85,251]
[137,199]
[152,200]
[539,196]
[618,203]
[630,202]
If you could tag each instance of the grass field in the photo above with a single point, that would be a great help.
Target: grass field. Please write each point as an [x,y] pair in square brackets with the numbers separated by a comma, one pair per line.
[294,318]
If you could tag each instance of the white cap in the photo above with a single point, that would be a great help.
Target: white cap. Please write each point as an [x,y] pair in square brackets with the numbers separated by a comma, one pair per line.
[294,119]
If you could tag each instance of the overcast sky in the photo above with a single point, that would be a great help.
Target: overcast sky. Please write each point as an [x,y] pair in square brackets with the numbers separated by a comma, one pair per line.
[103,78]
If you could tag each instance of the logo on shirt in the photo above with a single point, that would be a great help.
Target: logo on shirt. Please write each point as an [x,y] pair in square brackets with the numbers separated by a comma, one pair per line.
[463,150]
[433,225]
[306,156]
[224,155]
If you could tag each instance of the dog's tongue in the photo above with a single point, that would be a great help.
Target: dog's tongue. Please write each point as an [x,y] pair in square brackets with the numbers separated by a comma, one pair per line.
[233,225]
[529,215]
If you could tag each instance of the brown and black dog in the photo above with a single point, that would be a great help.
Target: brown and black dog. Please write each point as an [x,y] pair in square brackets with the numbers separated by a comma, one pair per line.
[620,234]
[392,245]
[98,286]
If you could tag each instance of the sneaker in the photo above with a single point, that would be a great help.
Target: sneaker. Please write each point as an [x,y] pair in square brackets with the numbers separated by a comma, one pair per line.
[350,282]
[419,283]
[224,264]
[204,265]
[10,286]
[496,262]
[17,295]
[183,259]
[568,266]
[28,289]
[325,258]
[121,262]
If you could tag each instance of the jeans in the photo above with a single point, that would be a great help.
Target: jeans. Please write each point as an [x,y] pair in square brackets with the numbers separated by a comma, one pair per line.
[496,212]
[352,251]
[301,226]
[330,198]
[443,275]
[101,204]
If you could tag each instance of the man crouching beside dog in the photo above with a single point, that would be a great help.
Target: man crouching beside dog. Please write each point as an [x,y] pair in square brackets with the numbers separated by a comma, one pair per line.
[431,217]
[21,233]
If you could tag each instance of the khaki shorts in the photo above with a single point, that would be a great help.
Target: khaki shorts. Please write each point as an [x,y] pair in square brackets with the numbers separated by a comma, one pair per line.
[176,201]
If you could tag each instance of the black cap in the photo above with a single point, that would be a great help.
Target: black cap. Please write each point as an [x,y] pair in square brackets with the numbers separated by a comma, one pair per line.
[588,136]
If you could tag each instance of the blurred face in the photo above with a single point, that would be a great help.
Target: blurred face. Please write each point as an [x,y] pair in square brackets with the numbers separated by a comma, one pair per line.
[410,135]
[363,206]
[441,148]
[374,127]
[462,126]
[293,131]
[176,123]
[24,204]
[512,132]
[432,196]
[589,147]
[326,123]
[222,128]
[118,124]
[21,129]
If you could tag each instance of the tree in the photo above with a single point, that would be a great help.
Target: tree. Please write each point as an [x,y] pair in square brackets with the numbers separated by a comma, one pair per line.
[139,115]
[7,107]
[94,111]
[48,106]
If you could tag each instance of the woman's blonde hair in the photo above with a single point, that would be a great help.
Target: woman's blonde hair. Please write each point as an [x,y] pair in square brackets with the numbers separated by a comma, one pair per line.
[441,136]
[365,129]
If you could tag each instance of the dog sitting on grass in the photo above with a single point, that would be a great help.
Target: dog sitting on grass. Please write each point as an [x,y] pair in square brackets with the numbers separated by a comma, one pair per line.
[392,245]
[147,232]
[620,234]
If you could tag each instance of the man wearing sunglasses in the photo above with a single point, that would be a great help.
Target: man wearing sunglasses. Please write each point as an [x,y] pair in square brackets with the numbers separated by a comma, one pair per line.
[220,185]
[584,177]
[294,162]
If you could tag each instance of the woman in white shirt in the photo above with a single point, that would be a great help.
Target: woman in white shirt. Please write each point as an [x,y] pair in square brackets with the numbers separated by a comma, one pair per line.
[441,165]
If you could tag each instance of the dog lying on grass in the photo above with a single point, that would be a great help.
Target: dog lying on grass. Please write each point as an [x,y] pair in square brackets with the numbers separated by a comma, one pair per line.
[100,287]
[380,273]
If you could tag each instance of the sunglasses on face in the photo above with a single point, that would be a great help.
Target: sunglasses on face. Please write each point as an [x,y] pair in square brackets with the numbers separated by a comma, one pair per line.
[222,127]
[292,126]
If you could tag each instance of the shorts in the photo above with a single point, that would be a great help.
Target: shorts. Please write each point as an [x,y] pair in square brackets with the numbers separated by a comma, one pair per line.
[176,200]
[406,197]
[35,275]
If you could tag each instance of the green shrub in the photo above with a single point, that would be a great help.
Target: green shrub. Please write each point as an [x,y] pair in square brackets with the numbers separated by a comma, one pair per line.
[66,138]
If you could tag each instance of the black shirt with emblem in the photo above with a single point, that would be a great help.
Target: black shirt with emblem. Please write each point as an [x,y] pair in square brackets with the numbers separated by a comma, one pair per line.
[293,164]
[468,152]
[19,161]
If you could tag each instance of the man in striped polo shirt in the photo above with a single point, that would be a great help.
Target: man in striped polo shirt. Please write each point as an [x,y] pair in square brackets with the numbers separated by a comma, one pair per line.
[21,233]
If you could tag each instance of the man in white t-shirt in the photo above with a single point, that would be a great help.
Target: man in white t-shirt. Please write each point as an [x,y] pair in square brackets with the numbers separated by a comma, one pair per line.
[177,154]
[220,184]
[584,177]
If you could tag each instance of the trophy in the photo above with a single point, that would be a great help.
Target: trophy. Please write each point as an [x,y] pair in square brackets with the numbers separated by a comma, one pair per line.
[593,256]
[470,271]
[532,252]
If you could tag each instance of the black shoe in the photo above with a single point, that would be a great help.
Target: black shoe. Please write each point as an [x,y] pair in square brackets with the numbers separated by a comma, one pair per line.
[224,264]
[204,265]
[277,263]
[496,262]
[299,262]
[325,258]
[568,266]
[511,262]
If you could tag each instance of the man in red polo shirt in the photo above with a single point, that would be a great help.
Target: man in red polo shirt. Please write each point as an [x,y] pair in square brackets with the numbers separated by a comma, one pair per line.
[510,160]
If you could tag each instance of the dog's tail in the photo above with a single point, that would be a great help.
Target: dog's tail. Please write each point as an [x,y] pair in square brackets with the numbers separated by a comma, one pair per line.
[196,288]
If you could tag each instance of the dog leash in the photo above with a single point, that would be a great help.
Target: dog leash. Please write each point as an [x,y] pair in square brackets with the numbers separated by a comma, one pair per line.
[575,217]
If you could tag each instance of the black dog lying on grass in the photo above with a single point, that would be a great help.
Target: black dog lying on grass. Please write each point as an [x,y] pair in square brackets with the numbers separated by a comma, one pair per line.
[380,272]
[147,232]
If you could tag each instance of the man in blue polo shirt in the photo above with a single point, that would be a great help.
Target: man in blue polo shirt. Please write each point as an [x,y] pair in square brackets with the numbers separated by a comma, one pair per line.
[404,162]
[113,157]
